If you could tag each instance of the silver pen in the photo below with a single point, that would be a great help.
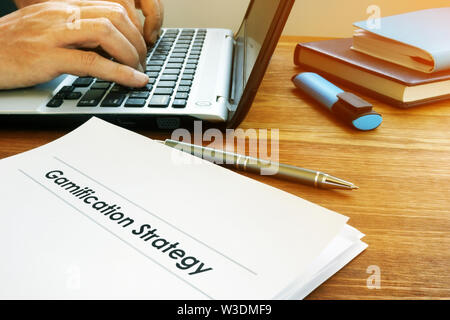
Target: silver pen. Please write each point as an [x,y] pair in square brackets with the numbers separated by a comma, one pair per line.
[250,164]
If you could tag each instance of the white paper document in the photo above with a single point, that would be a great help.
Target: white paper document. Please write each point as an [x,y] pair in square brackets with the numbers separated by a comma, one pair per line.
[105,213]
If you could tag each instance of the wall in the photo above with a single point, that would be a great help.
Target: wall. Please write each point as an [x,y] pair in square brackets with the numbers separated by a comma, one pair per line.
[309,17]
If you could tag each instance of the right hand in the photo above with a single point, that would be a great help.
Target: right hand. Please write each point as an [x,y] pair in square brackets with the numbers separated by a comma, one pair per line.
[43,41]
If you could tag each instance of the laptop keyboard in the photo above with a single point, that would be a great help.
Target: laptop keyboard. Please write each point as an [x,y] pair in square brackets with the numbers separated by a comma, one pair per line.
[171,66]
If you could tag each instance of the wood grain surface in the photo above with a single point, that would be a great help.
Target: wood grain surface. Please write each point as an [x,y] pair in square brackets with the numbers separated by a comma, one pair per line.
[402,169]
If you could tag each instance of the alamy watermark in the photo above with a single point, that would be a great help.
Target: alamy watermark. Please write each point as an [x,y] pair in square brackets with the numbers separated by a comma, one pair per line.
[73,278]
[74,18]
[374,19]
[374,280]
[262,150]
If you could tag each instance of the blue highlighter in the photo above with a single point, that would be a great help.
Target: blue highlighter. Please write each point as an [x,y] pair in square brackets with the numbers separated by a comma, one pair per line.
[345,105]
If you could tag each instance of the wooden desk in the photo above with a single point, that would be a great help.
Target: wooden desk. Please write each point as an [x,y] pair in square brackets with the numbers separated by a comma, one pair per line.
[402,169]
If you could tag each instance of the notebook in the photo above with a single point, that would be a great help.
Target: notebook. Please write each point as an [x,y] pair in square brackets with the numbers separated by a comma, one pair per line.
[105,213]
[416,40]
[383,80]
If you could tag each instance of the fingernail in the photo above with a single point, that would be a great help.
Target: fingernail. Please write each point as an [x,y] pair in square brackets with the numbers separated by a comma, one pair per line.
[140,77]
[140,67]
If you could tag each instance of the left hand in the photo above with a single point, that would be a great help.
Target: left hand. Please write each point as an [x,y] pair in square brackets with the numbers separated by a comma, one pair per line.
[153,11]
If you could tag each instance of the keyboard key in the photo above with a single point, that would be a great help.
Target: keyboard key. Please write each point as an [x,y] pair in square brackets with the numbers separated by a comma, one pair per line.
[60,95]
[114,100]
[176,60]
[135,103]
[189,71]
[181,95]
[167,84]
[187,77]
[164,47]
[165,43]
[155,63]
[191,66]
[101,85]
[159,57]
[192,61]
[178,55]
[91,98]
[169,77]
[120,89]
[83,82]
[152,74]
[181,46]
[179,103]
[102,81]
[55,103]
[183,50]
[174,66]
[172,71]
[139,94]
[160,101]
[153,68]
[67,89]
[148,87]
[186,83]
[73,95]
[184,89]
[163,91]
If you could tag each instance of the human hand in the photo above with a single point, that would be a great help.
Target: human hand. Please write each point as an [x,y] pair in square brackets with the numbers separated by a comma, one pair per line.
[43,41]
[153,11]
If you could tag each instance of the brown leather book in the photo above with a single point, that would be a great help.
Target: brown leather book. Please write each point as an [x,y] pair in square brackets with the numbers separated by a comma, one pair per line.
[393,84]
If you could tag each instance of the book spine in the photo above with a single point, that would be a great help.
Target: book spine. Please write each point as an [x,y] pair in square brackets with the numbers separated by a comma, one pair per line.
[297,50]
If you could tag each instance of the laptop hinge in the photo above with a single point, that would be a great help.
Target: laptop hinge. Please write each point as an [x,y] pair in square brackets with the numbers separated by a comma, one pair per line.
[225,92]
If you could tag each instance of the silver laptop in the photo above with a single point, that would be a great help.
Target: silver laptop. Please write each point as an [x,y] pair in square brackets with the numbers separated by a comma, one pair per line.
[205,74]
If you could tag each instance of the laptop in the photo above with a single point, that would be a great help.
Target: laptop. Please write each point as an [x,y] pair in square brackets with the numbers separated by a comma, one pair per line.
[195,74]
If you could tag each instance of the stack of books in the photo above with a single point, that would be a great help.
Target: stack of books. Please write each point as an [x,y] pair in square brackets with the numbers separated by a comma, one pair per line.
[404,62]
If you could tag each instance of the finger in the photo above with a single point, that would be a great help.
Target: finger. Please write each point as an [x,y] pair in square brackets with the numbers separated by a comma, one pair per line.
[127,4]
[132,13]
[88,63]
[119,18]
[153,19]
[100,32]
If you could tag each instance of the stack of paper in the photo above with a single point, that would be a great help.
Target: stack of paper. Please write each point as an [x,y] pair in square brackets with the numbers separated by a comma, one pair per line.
[106,213]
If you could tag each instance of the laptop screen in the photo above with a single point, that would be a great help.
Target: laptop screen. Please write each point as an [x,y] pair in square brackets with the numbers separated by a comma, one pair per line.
[249,41]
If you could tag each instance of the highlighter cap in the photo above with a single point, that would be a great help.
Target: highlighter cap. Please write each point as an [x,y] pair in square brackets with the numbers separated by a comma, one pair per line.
[356,112]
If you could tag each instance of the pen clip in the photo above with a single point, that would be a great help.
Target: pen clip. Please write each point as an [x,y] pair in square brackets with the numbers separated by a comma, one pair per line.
[354,103]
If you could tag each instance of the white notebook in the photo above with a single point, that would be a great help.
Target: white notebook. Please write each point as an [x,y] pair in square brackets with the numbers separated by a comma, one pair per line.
[105,213]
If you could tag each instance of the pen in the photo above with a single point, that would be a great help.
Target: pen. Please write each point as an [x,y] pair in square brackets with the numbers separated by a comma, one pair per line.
[348,107]
[249,164]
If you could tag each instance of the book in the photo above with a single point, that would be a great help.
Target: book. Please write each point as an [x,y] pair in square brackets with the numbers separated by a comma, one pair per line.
[417,40]
[105,213]
[383,80]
